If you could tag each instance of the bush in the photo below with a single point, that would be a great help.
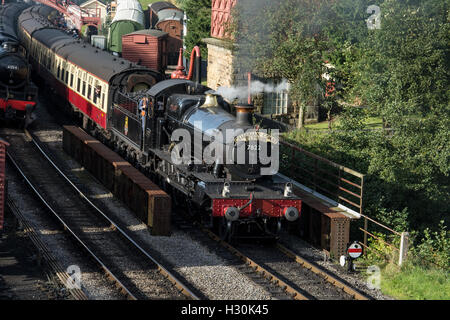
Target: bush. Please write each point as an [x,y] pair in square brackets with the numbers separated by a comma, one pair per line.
[434,248]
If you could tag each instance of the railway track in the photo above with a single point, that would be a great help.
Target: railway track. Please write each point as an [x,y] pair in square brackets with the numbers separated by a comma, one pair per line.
[135,272]
[285,274]
[43,251]
[354,294]
[298,278]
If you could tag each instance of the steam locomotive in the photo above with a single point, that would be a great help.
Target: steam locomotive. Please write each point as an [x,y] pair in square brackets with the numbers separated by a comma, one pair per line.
[18,94]
[201,149]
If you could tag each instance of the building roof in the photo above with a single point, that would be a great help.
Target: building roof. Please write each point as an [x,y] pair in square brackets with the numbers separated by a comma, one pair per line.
[170,14]
[129,10]
[86,3]
[151,32]
[161,5]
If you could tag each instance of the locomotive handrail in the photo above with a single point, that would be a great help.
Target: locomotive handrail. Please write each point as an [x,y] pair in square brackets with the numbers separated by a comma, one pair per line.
[125,111]
[123,99]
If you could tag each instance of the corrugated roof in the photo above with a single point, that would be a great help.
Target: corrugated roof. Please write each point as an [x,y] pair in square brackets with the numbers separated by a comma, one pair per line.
[129,10]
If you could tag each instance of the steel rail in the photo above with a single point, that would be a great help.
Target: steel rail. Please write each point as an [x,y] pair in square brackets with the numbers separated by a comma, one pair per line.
[62,275]
[176,282]
[337,283]
[256,267]
[110,275]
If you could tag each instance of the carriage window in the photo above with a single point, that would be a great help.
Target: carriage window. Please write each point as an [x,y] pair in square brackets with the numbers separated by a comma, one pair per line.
[103,100]
[96,93]
[71,79]
[57,73]
[78,85]
[67,76]
[84,88]
[89,91]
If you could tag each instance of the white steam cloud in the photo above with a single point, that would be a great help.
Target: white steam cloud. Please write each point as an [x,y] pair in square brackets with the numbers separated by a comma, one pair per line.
[256,87]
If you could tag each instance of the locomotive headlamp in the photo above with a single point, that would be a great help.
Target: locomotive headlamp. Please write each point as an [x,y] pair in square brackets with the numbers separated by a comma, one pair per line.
[232,213]
[291,213]
[288,189]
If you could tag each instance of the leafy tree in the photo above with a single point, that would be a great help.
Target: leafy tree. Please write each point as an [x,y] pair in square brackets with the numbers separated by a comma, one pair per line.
[285,39]
[400,72]
[198,24]
[403,76]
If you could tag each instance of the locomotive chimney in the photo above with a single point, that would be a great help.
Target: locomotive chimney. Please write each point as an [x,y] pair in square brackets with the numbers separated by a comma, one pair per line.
[244,113]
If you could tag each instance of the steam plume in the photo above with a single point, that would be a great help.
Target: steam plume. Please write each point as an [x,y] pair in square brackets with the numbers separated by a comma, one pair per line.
[256,87]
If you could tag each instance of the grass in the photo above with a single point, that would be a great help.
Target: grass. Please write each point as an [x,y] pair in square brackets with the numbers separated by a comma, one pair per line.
[371,123]
[415,283]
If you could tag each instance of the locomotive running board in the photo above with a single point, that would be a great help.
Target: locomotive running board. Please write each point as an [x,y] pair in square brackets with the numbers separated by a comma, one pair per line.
[333,204]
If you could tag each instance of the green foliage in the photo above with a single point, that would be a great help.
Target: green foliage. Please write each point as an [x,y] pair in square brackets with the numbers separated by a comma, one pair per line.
[399,73]
[380,253]
[434,248]
[284,39]
[198,24]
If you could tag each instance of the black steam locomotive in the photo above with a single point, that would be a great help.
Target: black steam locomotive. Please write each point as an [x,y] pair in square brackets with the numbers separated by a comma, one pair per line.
[18,94]
[210,158]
